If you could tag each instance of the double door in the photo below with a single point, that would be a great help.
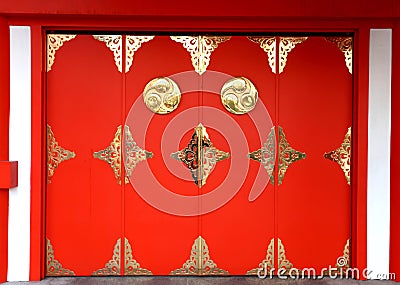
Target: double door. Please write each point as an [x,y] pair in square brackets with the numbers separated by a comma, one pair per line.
[197,155]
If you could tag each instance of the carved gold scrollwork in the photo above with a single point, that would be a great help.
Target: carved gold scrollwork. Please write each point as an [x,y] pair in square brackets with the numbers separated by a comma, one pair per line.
[55,154]
[113,266]
[239,95]
[200,49]
[343,262]
[54,43]
[132,267]
[53,266]
[162,95]
[200,156]
[287,155]
[112,155]
[266,155]
[342,155]
[133,154]
[114,43]
[133,43]
[283,262]
[267,264]
[286,45]
[268,44]
[199,262]
[345,44]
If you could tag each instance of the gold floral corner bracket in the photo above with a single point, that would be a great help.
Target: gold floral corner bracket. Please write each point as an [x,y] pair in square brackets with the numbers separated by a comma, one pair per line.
[268,44]
[112,154]
[54,43]
[200,156]
[200,49]
[342,155]
[345,44]
[114,43]
[286,45]
[287,155]
[55,154]
[53,266]
[284,265]
[199,262]
[267,264]
[113,266]
[343,262]
[133,43]
[132,267]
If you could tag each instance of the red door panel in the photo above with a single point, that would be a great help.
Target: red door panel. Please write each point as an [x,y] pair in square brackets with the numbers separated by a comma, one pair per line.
[239,232]
[315,99]
[84,111]
[161,241]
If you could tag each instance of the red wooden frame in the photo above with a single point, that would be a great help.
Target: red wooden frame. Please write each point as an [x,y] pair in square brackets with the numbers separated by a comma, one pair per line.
[182,23]
[395,162]
[4,144]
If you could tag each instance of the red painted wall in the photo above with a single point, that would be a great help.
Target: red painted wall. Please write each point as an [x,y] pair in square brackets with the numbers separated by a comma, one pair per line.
[4,125]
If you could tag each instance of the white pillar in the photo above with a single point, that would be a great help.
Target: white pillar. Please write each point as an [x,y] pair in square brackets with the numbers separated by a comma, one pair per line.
[379,125]
[20,150]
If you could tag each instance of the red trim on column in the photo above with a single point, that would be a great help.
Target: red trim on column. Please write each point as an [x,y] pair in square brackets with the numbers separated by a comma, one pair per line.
[4,133]
[9,174]
[394,161]
[360,147]
[38,181]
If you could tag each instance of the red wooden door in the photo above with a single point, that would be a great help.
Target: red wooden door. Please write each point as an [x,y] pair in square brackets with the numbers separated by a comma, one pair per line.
[159,193]
[315,118]
[84,97]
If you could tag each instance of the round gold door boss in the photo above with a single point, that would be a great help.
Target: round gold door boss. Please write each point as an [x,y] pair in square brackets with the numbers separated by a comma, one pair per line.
[162,95]
[239,95]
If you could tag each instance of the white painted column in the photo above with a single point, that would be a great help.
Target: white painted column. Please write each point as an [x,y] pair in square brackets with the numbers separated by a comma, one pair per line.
[20,150]
[379,125]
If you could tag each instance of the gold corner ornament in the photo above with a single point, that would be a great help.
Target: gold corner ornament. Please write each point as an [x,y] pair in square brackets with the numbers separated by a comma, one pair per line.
[133,43]
[267,264]
[199,262]
[114,43]
[55,154]
[161,95]
[342,155]
[200,49]
[268,44]
[286,155]
[286,45]
[284,265]
[133,154]
[54,43]
[266,155]
[113,266]
[132,267]
[53,266]
[239,95]
[343,262]
[345,44]
[200,156]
